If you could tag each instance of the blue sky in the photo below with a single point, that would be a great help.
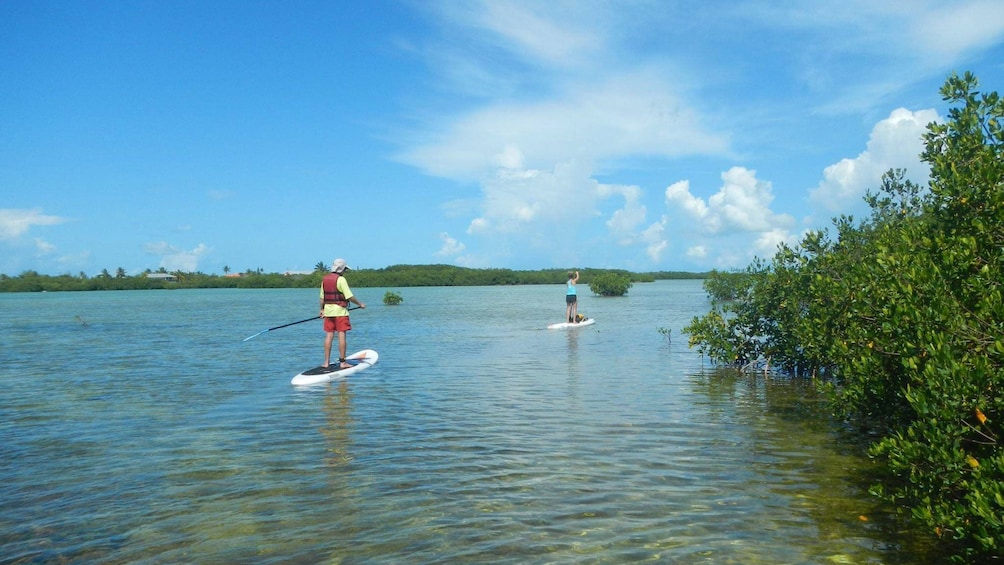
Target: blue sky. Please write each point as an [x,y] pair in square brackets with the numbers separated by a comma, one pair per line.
[645,135]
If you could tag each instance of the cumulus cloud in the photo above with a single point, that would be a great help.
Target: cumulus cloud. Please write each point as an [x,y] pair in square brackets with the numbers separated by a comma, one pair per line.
[623,224]
[738,216]
[742,204]
[175,259]
[550,210]
[895,142]
[542,206]
[679,193]
[655,240]
[766,242]
[451,247]
[16,222]
[510,158]
[514,199]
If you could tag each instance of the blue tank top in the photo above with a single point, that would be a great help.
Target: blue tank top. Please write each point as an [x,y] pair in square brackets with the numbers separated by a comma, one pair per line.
[571,289]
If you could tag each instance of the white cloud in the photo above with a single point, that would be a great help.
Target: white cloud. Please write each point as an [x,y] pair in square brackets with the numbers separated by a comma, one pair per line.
[502,39]
[16,222]
[175,259]
[636,113]
[451,246]
[515,199]
[655,240]
[903,39]
[697,252]
[510,158]
[537,37]
[479,225]
[44,247]
[549,211]
[895,142]
[624,222]
[654,251]
[742,204]
[952,30]
[766,242]
[738,217]
[679,193]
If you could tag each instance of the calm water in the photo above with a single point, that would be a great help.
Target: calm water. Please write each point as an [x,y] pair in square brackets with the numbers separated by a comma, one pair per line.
[138,427]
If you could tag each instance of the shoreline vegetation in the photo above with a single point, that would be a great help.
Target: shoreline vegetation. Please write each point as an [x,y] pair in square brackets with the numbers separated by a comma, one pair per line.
[900,316]
[393,276]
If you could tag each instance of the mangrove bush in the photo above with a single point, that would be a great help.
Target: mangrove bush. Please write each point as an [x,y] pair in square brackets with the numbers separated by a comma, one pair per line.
[901,315]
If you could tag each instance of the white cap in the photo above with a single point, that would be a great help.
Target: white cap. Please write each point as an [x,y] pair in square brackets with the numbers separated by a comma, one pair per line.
[339,266]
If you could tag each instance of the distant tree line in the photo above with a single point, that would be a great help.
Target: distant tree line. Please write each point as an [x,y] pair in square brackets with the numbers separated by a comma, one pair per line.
[394,276]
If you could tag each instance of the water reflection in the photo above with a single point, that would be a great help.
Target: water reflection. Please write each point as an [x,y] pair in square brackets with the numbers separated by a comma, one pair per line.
[338,431]
[572,344]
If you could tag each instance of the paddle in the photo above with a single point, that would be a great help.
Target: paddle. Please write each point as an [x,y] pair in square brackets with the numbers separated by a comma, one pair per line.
[289,324]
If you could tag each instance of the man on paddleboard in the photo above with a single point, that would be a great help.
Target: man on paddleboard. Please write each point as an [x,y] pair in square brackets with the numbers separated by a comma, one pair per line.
[335,298]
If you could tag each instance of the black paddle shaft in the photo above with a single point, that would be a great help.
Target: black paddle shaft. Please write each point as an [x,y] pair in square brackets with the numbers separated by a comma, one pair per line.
[289,324]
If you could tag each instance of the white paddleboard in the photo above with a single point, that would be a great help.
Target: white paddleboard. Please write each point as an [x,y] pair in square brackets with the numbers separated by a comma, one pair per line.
[567,325]
[360,361]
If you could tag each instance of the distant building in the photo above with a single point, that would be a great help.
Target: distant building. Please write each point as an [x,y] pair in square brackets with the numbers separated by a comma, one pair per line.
[167,277]
[232,275]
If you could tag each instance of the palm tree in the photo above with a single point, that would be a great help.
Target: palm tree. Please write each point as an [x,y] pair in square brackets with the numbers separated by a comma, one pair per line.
[226,269]
[319,267]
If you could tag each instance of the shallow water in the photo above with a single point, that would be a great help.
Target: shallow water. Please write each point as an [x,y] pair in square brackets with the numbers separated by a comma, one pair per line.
[138,427]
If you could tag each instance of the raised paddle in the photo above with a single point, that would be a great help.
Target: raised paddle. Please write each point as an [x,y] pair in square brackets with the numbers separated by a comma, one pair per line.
[289,324]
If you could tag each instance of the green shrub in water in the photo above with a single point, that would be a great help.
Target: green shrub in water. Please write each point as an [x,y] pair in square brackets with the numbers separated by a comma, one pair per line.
[610,284]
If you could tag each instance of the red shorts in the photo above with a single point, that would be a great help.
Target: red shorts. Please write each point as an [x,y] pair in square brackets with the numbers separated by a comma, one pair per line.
[338,324]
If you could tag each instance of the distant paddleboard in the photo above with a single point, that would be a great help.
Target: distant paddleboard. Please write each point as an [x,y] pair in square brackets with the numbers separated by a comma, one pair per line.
[569,325]
[360,360]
